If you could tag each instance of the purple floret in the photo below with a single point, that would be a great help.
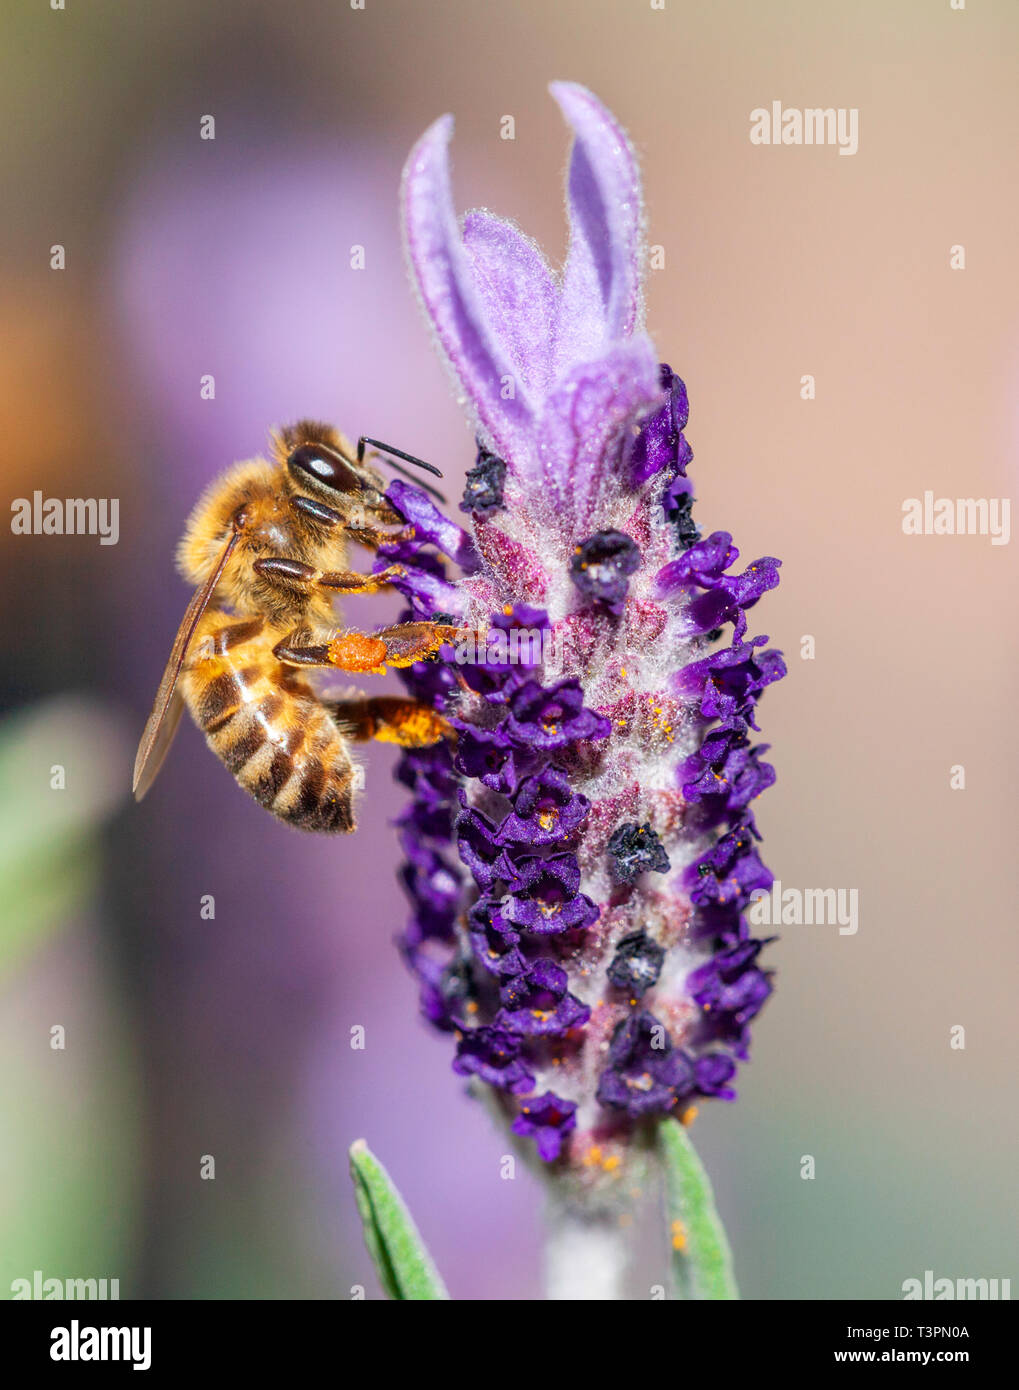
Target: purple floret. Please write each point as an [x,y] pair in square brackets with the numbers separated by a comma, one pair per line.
[480,848]
[547,1119]
[602,565]
[645,1072]
[636,849]
[544,897]
[484,483]
[660,443]
[730,991]
[730,871]
[546,809]
[637,963]
[554,716]
[493,1055]
[495,941]
[539,1003]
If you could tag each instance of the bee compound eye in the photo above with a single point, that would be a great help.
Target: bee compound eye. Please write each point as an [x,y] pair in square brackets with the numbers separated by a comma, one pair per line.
[326,466]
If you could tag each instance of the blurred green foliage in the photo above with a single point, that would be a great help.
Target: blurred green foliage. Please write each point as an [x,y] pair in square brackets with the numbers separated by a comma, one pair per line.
[56,787]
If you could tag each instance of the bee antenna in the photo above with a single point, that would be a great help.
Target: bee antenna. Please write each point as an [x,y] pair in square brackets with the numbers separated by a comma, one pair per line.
[410,458]
[388,448]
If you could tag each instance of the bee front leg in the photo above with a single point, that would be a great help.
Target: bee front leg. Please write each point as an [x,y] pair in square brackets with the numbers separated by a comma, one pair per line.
[372,536]
[369,652]
[352,521]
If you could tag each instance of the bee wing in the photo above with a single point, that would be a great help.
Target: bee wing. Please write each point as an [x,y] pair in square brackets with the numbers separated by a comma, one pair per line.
[169,704]
[159,734]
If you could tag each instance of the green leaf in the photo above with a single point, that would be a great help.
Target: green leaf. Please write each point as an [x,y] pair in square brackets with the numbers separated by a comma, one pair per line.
[404,1265]
[701,1258]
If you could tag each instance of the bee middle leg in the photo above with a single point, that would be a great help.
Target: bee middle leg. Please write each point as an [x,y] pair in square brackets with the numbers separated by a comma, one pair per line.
[367,652]
[293,574]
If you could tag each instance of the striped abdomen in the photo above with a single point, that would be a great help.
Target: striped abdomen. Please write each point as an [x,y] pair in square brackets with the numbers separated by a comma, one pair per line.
[267,725]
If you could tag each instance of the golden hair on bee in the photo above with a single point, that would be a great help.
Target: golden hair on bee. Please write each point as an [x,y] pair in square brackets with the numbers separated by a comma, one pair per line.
[202,542]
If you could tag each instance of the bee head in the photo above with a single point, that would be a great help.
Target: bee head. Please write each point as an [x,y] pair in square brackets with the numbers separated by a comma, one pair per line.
[316,461]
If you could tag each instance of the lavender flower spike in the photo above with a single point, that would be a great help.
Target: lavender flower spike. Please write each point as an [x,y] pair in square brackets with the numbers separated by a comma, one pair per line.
[581,856]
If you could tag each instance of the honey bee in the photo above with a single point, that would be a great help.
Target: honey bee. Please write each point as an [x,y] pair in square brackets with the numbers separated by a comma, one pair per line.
[266,548]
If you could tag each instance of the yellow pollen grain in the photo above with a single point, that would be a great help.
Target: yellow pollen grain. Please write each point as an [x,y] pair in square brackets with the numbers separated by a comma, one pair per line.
[678,1235]
[689,1115]
[592,1156]
[611,1163]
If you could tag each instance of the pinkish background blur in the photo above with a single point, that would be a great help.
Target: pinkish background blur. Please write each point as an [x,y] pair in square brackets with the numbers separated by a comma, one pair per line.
[230,1037]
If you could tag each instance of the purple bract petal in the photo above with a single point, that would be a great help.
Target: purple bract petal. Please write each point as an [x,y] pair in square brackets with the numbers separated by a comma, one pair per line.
[519,295]
[584,428]
[601,300]
[445,280]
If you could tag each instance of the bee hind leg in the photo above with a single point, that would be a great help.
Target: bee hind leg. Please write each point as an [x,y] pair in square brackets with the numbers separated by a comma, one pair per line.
[390,719]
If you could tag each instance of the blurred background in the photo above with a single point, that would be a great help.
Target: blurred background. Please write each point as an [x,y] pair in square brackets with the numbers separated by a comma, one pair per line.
[184,257]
